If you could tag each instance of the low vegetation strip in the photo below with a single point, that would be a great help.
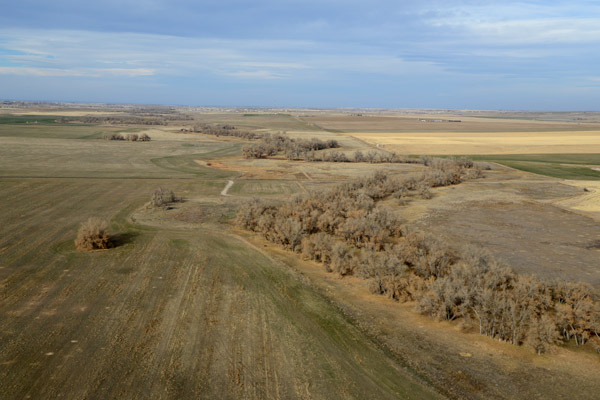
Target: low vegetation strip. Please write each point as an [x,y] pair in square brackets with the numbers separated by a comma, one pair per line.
[351,232]
[271,145]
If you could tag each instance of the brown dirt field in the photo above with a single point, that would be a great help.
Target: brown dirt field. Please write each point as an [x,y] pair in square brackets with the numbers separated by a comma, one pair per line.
[532,238]
[516,217]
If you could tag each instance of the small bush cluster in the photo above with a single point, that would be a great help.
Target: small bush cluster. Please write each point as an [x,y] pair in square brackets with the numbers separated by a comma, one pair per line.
[93,235]
[162,198]
[131,137]
[349,231]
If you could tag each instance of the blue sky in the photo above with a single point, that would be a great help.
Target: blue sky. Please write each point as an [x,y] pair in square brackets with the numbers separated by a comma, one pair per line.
[530,55]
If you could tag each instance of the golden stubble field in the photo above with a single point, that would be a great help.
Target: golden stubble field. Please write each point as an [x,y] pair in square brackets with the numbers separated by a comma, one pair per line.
[409,135]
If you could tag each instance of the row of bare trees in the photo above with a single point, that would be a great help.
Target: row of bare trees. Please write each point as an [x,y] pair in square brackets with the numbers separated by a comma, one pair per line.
[291,148]
[225,130]
[118,120]
[131,137]
[351,232]
[270,145]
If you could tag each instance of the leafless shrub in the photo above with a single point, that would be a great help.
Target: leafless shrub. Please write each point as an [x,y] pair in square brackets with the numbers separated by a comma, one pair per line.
[341,259]
[424,192]
[425,160]
[464,162]
[132,137]
[542,334]
[114,136]
[93,235]
[162,198]
[359,156]
[475,173]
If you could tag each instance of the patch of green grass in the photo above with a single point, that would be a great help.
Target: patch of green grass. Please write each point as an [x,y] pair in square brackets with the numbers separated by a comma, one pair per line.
[555,170]
[310,321]
[55,131]
[563,166]
[580,159]
[28,119]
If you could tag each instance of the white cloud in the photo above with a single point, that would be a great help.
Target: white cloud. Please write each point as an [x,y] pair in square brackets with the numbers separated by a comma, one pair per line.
[92,72]
[518,22]
[260,74]
[94,54]
[38,71]
[536,31]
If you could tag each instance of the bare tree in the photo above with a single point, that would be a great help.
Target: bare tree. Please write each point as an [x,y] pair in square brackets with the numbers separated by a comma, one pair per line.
[93,235]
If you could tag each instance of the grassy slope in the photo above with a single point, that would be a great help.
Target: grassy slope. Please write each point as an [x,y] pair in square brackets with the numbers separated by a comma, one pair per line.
[167,314]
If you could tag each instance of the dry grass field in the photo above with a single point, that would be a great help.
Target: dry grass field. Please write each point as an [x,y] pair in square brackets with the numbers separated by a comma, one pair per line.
[472,135]
[187,306]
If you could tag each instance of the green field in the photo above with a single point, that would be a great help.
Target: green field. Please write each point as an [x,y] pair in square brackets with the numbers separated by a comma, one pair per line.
[172,312]
[563,166]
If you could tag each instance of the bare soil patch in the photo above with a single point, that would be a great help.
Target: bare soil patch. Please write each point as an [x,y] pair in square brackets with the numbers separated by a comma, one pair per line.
[531,237]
